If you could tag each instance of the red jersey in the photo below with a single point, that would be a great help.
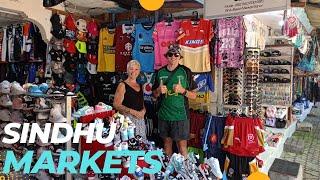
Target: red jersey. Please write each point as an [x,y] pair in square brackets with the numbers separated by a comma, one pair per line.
[194,43]
[123,42]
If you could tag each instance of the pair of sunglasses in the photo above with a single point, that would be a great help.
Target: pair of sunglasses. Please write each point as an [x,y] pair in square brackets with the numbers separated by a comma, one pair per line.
[173,54]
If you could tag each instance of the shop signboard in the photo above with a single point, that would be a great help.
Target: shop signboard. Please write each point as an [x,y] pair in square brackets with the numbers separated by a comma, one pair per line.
[215,9]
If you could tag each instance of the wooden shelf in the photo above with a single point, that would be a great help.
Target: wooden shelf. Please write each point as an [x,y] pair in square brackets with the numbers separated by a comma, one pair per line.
[278,45]
[298,4]
[280,106]
[277,57]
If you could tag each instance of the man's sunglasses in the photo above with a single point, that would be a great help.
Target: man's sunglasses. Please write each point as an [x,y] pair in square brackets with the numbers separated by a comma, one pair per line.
[173,54]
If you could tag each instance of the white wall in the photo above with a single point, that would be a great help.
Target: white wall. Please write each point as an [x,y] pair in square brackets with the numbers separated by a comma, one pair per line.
[35,13]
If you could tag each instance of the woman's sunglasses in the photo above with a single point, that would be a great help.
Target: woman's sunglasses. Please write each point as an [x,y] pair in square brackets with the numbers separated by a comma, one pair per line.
[173,54]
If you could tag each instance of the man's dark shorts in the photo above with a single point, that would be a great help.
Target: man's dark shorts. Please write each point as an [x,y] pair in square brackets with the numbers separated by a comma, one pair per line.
[176,130]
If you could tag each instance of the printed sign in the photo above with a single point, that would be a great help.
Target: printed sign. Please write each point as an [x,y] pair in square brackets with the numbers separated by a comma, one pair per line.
[227,8]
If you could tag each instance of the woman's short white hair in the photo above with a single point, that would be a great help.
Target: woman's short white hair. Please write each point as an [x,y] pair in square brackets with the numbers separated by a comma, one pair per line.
[132,63]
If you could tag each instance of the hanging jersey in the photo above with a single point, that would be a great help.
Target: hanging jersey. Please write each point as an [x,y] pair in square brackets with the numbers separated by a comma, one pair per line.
[231,41]
[106,51]
[202,101]
[164,34]
[194,42]
[143,50]
[204,82]
[123,42]
[147,80]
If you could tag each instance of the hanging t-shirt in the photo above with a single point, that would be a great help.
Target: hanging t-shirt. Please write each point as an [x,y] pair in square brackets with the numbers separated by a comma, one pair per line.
[194,42]
[164,34]
[123,42]
[106,51]
[204,82]
[231,42]
[143,49]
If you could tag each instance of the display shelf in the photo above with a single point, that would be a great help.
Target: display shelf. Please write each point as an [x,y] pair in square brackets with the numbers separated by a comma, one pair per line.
[275,57]
[275,152]
[280,106]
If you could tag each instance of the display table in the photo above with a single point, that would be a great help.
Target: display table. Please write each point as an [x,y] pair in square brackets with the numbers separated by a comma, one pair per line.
[305,113]
[275,152]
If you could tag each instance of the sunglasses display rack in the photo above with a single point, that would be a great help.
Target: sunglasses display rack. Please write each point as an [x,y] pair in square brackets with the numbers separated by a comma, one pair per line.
[276,76]
[252,91]
[233,89]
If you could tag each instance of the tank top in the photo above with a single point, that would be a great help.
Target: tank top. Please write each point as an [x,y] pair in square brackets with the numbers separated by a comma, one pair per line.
[133,99]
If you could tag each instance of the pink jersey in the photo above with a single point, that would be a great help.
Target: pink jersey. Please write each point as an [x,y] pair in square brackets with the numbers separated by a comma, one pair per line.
[231,42]
[163,35]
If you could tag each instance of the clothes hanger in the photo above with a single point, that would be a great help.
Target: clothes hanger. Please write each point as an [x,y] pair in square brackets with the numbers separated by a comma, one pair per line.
[169,19]
[195,19]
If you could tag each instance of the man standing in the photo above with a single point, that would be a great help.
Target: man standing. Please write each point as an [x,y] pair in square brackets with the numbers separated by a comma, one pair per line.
[175,85]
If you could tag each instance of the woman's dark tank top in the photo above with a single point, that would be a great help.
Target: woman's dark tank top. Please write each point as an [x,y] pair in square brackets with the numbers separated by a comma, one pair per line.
[133,99]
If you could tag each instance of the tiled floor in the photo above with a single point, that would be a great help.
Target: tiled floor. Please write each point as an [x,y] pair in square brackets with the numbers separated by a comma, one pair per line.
[310,158]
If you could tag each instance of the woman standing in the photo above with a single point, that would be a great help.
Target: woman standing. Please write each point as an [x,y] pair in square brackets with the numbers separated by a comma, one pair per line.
[128,99]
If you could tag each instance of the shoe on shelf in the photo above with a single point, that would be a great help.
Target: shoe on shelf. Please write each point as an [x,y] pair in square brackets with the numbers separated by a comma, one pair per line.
[17,89]
[5,100]
[102,107]
[16,117]
[41,106]
[42,116]
[55,114]
[43,175]
[5,115]
[5,87]
[215,166]
[91,175]
[44,88]
[35,91]
[86,110]
[17,103]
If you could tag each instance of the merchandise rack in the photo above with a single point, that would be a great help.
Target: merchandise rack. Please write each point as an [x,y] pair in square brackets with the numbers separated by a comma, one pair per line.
[278,89]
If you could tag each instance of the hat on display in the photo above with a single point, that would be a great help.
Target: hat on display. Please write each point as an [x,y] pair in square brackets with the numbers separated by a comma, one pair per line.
[81,25]
[92,47]
[82,36]
[92,68]
[70,65]
[57,44]
[70,34]
[70,46]
[93,59]
[57,30]
[68,78]
[57,67]
[93,28]
[70,23]
[81,47]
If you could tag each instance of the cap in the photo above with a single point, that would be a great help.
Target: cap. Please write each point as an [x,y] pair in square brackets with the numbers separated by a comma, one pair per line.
[92,58]
[68,78]
[81,25]
[81,47]
[93,28]
[174,49]
[82,36]
[92,68]
[70,46]
[69,22]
